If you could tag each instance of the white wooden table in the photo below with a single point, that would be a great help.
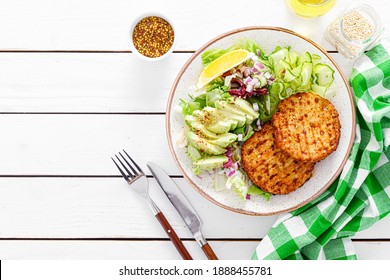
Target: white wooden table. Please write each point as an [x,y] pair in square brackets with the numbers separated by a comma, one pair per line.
[72,94]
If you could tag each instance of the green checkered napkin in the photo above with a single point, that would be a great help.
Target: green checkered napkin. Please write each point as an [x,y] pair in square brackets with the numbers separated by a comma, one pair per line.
[360,196]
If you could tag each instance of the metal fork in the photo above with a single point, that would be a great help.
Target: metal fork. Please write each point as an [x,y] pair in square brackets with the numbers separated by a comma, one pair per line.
[131,172]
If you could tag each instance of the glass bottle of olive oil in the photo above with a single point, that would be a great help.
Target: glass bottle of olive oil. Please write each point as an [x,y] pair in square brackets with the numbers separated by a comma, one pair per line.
[310,8]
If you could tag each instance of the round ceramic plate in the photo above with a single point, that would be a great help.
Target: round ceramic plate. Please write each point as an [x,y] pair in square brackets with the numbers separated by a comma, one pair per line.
[325,171]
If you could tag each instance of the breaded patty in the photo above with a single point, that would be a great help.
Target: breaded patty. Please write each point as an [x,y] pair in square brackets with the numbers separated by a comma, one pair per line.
[269,167]
[307,127]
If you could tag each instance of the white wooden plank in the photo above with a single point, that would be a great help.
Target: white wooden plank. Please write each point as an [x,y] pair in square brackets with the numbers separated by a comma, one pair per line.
[85,82]
[107,208]
[151,250]
[102,25]
[80,144]
[90,82]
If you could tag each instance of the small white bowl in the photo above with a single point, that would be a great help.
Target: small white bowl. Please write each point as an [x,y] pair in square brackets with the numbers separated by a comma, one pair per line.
[135,22]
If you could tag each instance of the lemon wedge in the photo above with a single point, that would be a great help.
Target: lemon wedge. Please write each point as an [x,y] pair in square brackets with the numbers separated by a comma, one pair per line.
[221,65]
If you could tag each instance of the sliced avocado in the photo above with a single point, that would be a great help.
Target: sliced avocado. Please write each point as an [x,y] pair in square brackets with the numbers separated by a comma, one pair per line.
[241,120]
[209,116]
[196,113]
[209,163]
[246,107]
[233,109]
[193,153]
[203,145]
[227,116]
[199,128]
[213,111]
[213,120]
[224,105]
[189,119]
[222,126]
[224,140]
[233,124]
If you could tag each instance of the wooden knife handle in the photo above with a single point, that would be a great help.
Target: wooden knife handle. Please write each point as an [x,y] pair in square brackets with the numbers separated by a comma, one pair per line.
[173,236]
[209,252]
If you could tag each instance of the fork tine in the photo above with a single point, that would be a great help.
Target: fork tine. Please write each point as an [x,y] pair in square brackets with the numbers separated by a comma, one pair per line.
[136,165]
[121,171]
[130,174]
[131,167]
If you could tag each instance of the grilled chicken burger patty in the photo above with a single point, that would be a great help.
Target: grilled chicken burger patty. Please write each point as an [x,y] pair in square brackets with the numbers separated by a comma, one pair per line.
[270,168]
[307,127]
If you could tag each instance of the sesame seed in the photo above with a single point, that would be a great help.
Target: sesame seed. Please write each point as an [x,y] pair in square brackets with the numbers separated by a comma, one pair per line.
[357,26]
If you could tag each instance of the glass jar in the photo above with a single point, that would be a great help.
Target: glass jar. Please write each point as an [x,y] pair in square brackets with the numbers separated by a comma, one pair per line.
[354,30]
[310,8]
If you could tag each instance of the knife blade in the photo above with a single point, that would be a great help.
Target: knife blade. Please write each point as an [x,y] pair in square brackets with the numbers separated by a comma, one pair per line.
[183,207]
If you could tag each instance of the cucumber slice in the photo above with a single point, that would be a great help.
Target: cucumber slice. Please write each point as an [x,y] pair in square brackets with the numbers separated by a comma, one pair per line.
[296,83]
[315,57]
[293,58]
[307,69]
[320,90]
[280,66]
[297,70]
[279,55]
[286,92]
[306,57]
[285,64]
[288,76]
[324,75]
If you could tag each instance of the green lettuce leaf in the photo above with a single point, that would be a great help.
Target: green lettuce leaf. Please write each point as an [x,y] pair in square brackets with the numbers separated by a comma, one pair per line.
[255,190]
[187,108]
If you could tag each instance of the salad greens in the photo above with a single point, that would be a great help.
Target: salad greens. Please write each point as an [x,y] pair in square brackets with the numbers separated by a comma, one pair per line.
[227,111]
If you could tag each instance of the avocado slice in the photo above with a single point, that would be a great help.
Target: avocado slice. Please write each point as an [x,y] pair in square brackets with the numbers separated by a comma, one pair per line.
[227,116]
[241,120]
[199,128]
[246,107]
[233,124]
[224,105]
[209,163]
[203,145]
[209,116]
[193,153]
[224,140]
[233,110]
[209,120]
[196,113]
[222,126]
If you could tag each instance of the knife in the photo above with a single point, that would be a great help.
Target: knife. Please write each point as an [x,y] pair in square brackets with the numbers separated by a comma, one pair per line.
[183,207]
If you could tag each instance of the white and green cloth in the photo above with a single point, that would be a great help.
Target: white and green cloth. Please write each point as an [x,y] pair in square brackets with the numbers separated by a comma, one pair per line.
[361,195]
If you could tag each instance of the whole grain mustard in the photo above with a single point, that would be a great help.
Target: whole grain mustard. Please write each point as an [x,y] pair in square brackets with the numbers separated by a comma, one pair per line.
[153,36]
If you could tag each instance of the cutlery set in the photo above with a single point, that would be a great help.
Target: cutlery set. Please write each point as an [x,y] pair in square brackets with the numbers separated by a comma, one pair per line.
[135,177]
